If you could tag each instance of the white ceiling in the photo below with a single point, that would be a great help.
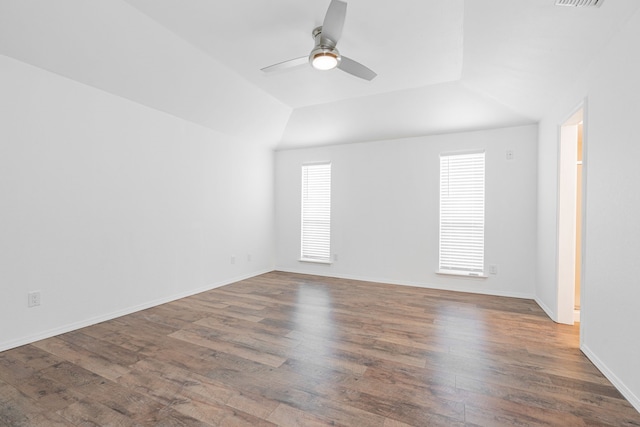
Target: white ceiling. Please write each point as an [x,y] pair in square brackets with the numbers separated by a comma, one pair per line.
[443,65]
[253,34]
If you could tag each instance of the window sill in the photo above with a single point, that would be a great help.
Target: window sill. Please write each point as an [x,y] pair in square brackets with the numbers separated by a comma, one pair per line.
[315,261]
[462,274]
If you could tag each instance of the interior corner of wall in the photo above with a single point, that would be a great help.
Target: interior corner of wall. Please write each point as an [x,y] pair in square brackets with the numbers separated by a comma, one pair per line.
[551,313]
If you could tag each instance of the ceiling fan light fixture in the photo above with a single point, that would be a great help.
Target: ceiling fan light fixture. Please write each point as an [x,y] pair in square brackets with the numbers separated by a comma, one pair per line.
[324,59]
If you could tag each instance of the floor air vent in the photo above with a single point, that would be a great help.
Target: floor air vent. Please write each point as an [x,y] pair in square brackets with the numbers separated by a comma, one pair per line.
[579,3]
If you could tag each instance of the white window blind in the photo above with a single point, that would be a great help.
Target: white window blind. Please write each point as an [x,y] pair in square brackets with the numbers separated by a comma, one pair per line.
[462,213]
[316,212]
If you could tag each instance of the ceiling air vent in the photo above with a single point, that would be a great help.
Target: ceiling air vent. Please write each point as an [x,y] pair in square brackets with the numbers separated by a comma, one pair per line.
[579,3]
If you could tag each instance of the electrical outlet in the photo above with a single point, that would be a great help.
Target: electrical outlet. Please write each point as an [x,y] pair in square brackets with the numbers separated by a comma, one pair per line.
[335,257]
[33,298]
[493,269]
[233,259]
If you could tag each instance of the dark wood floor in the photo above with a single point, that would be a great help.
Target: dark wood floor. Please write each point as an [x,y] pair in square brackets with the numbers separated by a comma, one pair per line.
[293,350]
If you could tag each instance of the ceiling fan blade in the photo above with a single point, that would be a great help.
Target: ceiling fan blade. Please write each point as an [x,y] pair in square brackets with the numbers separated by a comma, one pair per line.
[334,22]
[355,68]
[281,66]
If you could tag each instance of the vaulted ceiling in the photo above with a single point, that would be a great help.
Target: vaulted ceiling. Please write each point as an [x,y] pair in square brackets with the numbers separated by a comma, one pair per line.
[443,65]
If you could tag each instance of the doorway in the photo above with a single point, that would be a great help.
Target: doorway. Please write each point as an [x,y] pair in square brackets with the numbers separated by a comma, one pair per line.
[570,202]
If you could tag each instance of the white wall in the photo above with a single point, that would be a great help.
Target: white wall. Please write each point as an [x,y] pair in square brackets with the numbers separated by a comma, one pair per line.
[610,286]
[108,206]
[385,210]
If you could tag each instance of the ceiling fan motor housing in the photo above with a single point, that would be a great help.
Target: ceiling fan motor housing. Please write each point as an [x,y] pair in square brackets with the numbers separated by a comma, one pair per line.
[324,55]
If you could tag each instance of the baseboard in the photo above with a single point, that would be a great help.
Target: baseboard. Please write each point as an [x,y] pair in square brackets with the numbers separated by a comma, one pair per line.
[103,318]
[617,382]
[413,284]
[546,309]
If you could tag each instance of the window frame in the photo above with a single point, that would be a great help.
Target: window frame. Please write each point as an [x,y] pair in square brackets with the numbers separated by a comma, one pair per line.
[462,213]
[315,225]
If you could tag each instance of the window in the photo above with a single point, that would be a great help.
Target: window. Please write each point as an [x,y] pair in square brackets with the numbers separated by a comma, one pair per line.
[316,212]
[462,213]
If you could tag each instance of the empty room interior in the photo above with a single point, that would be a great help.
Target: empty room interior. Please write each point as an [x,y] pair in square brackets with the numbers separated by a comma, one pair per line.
[317,212]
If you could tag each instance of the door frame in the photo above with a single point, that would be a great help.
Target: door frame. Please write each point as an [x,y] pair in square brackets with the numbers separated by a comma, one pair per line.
[566,214]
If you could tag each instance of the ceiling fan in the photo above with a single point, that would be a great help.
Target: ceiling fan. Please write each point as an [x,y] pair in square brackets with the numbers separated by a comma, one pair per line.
[325,55]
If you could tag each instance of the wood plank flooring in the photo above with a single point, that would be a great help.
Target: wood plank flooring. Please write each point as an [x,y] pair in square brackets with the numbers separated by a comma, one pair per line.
[284,349]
